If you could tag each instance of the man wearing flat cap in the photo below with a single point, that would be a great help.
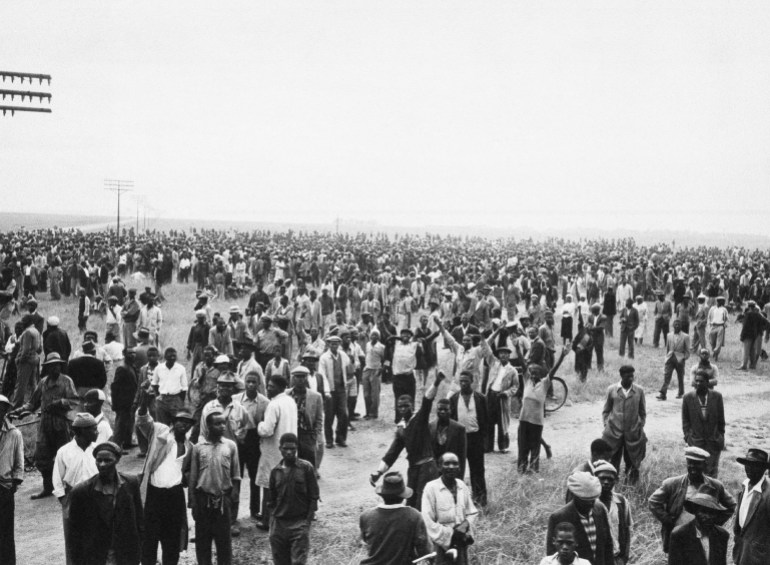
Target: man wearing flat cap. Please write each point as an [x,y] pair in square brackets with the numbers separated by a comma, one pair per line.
[106,514]
[700,541]
[593,536]
[667,502]
[55,396]
[625,414]
[751,522]
[393,533]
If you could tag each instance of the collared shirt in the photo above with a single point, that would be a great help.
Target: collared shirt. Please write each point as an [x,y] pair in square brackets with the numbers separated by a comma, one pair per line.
[11,455]
[169,473]
[251,366]
[236,419]
[748,495]
[214,466]
[613,515]
[206,379]
[255,409]
[704,541]
[103,429]
[441,511]
[554,560]
[266,340]
[589,527]
[466,414]
[404,357]
[72,466]
[718,316]
[294,490]
[170,381]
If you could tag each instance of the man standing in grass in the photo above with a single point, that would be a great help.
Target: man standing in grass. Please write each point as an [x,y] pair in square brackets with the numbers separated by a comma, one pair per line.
[395,534]
[667,502]
[624,414]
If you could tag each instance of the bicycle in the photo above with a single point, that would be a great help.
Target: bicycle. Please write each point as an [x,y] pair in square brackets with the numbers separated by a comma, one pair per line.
[557,396]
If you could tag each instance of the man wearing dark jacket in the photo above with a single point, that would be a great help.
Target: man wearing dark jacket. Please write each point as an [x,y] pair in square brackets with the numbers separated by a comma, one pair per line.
[469,408]
[415,437]
[754,325]
[106,514]
[87,372]
[752,513]
[703,421]
[56,340]
[123,388]
[700,541]
[629,321]
[448,436]
[593,536]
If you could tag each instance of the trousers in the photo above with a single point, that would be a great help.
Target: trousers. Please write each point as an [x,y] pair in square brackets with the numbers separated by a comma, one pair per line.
[529,446]
[626,337]
[372,380]
[213,526]
[474,456]
[338,408]
[7,540]
[673,365]
[165,515]
[289,540]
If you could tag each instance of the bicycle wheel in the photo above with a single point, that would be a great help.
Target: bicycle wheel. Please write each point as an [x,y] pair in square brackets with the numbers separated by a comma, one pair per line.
[557,396]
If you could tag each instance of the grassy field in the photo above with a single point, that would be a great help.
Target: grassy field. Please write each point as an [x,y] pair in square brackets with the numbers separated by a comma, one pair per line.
[512,529]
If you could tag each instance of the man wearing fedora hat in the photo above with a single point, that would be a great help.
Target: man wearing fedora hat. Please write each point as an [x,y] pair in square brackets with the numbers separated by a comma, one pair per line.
[751,522]
[393,533]
[667,502]
[11,476]
[502,378]
[55,396]
[700,541]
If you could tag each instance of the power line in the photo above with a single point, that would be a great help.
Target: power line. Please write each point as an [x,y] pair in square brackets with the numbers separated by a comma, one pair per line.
[118,186]
[24,94]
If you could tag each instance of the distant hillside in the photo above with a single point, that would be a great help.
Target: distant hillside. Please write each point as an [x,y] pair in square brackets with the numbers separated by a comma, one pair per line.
[12,221]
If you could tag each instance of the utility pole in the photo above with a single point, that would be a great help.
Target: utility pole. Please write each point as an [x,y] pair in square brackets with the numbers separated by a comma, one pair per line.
[119,186]
[24,94]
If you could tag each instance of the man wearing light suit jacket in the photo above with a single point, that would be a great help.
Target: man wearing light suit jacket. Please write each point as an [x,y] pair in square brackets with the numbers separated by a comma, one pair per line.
[310,414]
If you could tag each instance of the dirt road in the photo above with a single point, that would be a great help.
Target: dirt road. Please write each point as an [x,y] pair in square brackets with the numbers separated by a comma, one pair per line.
[344,488]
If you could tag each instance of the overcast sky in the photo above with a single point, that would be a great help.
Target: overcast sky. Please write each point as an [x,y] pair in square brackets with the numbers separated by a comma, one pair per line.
[649,114]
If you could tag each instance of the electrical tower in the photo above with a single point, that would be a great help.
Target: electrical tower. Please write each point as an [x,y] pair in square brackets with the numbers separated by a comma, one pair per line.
[24,93]
[118,186]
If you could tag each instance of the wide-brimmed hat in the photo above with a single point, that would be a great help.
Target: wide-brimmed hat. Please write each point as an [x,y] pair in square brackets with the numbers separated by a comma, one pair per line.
[704,498]
[53,358]
[755,455]
[393,485]
[235,310]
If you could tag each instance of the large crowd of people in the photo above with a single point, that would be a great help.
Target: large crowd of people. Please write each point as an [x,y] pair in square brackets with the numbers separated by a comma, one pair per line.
[465,328]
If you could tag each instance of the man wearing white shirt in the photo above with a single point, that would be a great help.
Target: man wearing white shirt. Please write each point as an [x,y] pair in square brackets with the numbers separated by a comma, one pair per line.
[717,321]
[403,365]
[752,515]
[375,355]
[170,383]
[161,488]
[74,464]
[449,512]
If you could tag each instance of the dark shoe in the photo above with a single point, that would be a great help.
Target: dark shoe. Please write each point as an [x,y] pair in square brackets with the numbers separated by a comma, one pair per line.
[680,395]
[256,516]
[262,526]
[342,444]
[354,418]
[44,494]
[741,368]
[329,446]
[367,417]
[130,445]
[351,428]
[141,455]
[661,397]
[235,531]
[548,452]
